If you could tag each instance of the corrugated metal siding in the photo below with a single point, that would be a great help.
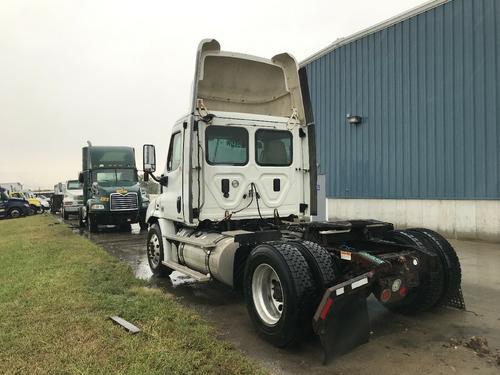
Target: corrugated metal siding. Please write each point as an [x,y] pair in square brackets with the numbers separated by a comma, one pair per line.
[428,90]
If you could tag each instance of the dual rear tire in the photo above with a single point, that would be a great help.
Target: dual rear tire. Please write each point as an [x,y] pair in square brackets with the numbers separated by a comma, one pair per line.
[283,283]
[436,287]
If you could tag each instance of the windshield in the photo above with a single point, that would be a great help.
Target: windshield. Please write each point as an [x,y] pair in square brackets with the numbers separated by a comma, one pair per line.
[112,157]
[74,185]
[113,177]
[4,195]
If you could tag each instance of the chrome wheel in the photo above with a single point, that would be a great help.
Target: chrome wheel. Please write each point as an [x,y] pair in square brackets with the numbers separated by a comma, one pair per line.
[154,250]
[267,294]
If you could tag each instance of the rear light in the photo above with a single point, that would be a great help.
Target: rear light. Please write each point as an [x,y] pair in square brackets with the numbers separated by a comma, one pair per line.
[326,309]
[403,291]
[385,295]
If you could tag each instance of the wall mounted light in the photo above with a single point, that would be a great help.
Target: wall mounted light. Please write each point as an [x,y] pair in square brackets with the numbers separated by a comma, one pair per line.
[354,120]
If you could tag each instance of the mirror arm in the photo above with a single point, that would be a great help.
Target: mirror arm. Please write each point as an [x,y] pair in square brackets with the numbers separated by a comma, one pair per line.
[163,180]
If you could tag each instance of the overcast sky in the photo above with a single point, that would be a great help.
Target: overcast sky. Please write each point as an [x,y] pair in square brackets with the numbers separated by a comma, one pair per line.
[119,72]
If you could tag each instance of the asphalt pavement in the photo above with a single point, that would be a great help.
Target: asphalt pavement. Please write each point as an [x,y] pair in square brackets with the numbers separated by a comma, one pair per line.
[431,343]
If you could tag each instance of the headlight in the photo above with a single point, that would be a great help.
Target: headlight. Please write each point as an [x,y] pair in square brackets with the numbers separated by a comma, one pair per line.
[97,207]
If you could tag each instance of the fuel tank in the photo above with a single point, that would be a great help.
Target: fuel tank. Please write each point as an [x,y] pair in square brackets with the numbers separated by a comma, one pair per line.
[214,255]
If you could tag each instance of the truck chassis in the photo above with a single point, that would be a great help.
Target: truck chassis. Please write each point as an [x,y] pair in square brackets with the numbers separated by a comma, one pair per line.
[332,268]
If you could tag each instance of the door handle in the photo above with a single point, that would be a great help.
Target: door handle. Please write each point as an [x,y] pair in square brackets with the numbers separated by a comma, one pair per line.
[276,184]
[179,204]
[225,187]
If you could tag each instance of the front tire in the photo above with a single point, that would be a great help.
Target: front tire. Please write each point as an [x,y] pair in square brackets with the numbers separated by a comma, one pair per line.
[15,213]
[155,252]
[81,222]
[91,223]
[279,293]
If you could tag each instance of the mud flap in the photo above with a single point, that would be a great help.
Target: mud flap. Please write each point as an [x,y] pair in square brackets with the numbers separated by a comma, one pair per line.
[341,320]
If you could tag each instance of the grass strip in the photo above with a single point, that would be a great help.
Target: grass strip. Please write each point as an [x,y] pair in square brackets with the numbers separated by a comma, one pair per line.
[57,291]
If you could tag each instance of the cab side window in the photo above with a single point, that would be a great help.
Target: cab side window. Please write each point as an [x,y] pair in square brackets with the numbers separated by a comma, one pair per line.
[174,152]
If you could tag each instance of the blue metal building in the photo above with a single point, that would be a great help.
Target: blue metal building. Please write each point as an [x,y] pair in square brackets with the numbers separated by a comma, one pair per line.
[426,85]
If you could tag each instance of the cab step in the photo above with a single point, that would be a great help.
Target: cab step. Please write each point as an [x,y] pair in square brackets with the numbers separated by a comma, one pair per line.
[198,276]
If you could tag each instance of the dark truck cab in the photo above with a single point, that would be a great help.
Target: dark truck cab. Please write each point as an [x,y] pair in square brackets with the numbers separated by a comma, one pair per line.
[13,207]
[111,190]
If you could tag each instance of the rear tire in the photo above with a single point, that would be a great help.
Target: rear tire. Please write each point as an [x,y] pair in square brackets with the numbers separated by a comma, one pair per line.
[155,252]
[65,215]
[279,293]
[427,293]
[452,272]
[320,261]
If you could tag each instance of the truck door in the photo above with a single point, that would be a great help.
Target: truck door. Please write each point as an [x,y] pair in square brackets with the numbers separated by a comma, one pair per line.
[172,205]
[3,204]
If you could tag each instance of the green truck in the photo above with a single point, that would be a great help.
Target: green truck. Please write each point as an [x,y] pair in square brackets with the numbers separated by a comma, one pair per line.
[111,191]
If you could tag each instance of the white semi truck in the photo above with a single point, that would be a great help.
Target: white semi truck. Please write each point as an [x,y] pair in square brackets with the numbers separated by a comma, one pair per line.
[73,198]
[238,193]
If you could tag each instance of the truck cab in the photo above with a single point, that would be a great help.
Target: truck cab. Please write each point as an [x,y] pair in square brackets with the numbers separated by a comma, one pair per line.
[111,190]
[13,207]
[73,198]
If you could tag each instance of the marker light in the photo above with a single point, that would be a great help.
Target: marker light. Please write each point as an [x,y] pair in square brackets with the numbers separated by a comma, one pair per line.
[385,295]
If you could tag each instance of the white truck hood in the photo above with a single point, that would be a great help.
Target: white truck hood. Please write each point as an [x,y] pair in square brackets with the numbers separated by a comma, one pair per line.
[73,193]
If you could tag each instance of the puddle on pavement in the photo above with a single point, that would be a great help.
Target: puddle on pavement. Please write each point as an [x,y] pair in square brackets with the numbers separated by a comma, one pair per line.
[129,247]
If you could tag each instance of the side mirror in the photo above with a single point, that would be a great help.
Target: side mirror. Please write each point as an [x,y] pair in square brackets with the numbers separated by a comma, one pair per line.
[148,158]
[80,177]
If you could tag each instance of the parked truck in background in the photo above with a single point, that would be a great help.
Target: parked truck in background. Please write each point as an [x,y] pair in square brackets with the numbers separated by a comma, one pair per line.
[34,203]
[13,207]
[72,199]
[111,191]
[56,200]
[239,189]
